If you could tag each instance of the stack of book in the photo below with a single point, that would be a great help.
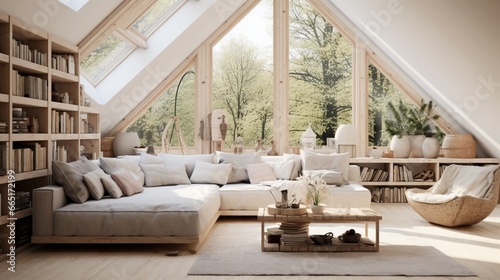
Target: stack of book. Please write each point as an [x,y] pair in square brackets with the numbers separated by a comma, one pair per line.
[19,125]
[294,233]
[3,127]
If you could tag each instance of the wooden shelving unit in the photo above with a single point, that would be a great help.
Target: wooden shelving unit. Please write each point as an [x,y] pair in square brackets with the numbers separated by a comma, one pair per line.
[415,166]
[56,74]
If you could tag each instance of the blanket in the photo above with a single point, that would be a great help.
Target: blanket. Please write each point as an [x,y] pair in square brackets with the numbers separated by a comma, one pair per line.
[456,181]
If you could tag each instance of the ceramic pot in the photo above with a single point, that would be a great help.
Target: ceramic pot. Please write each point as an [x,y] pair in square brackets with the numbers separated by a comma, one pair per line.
[400,146]
[416,142]
[430,147]
[318,209]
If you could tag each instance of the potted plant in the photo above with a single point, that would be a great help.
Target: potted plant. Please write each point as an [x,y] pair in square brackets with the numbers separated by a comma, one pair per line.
[397,126]
[317,192]
[420,126]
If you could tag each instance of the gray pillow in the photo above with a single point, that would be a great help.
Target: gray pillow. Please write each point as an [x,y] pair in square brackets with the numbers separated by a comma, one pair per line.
[111,186]
[94,185]
[70,177]
[110,165]
[239,162]
[161,175]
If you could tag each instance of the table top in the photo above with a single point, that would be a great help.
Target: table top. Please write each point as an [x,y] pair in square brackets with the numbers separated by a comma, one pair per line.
[330,214]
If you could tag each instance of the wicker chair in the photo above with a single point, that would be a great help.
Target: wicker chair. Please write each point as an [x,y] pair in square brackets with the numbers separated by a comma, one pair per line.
[461,211]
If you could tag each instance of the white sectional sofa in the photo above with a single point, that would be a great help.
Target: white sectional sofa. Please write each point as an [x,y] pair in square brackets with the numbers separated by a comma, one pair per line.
[171,198]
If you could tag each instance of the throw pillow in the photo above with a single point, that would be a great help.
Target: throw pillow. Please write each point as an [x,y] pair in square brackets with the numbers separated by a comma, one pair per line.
[93,181]
[338,162]
[70,177]
[210,173]
[282,169]
[187,160]
[110,165]
[331,177]
[297,164]
[126,181]
[111,186]
[150,159]
[161,175]
[239,162]
[259,172]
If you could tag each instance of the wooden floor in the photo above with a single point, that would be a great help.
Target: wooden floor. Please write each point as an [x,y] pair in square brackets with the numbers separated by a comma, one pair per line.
[476,247]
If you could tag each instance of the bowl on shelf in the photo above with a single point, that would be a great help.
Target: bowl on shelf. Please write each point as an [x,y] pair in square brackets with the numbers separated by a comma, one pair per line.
[350,238]
[322,239]
[17,112]
[375,153]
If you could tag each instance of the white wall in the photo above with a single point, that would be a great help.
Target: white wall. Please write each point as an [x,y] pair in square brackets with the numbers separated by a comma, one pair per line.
[450,48]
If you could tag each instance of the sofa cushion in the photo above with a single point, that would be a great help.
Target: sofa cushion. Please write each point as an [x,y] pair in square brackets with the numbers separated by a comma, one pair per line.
[70,177]
[210,173]
[239,162]
[127,182]
[93,181]
[297,164]
[259,172]
[111,186]
[282,169]
[150,159]
[161,175]
[188,161]
[110,165]
[331,177]
[315,161]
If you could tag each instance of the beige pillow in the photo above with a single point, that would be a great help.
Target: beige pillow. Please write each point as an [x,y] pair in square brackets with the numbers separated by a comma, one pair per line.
[209,173]
[110,165]
[338,162]
[239,162]
[93,181]
[161,175]
[259,172]
[126,181]
[188,161]
[111,186]
[70,177]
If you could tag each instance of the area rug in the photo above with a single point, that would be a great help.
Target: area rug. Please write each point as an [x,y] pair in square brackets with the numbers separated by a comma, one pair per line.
[234,249]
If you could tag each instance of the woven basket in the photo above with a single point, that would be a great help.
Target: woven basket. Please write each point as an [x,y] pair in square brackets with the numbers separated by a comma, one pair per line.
[459,146]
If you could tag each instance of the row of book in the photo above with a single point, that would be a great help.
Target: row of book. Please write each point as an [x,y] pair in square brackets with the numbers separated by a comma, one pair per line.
[3,127]
[374,175]
[402,173]
[59,153]
[64,63]
[62,122]
[28,157]
[4,157]
[24,52]
[389,195]
[29,86]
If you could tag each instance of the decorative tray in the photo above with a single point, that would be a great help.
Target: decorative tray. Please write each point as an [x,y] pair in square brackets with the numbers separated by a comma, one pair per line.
[273,210]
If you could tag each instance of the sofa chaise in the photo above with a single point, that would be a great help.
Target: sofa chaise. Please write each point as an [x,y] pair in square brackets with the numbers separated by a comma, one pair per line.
[174,199]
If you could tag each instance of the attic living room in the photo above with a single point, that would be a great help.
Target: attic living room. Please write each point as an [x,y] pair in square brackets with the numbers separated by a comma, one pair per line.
[306,139]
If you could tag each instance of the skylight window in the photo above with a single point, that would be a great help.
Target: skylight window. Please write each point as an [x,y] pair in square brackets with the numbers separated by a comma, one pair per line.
[75,5]
[155,16]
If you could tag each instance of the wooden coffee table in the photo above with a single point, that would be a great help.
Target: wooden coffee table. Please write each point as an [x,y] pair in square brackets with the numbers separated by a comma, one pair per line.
[331,215]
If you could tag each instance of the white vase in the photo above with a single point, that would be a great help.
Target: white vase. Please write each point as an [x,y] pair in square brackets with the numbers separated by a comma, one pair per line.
[416,142]
[430,147]
[124,143]
[400,146]
[318,209]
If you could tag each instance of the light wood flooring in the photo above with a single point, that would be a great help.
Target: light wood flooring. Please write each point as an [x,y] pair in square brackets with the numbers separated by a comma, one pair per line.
[476,247]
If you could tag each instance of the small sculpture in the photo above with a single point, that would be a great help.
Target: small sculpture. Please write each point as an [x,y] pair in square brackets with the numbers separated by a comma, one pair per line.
[272,151]
[259,146]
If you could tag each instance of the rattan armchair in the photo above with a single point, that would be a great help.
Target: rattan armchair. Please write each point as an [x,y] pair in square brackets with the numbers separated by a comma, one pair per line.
[461,211]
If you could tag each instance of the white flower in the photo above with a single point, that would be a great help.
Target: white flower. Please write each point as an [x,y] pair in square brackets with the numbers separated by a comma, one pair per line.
[317,189]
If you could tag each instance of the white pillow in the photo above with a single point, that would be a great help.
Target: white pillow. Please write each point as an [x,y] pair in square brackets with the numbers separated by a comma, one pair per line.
[150,159]
[111,186]
[338,162]
[282,169]
[331,177]
[187,160]
[110,165]
[259,172]
[297,164]
[161,175]
[93,181]
[239,162]
[210,173]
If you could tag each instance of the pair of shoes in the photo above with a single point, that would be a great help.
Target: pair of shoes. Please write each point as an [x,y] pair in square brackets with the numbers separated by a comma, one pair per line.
[424,176]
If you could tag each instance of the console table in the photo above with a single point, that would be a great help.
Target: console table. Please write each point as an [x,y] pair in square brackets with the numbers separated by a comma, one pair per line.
[331,215]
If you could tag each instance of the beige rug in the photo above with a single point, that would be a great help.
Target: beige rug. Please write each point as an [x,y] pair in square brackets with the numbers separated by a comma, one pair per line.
[234,249]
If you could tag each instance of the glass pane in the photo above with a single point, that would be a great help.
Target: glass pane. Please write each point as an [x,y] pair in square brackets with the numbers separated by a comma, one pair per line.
[104,58]
[320,74]
[158,12]
[381,92]
[151,124]
[242,77]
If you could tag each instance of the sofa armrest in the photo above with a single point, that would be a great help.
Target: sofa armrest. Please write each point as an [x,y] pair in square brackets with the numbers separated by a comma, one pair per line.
[45,201]
[354,173]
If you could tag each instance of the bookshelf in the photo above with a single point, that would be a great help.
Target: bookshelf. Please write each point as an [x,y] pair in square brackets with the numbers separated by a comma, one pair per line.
[41,107]
[404,173]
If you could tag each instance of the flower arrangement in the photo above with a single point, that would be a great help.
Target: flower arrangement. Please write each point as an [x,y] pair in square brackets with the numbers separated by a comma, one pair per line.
[317,189]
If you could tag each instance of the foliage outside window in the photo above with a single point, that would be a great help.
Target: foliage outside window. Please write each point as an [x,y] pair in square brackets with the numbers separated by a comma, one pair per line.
[242,79]
[382,91]
[152,122]
[320,74]
[155,16]
[104,58]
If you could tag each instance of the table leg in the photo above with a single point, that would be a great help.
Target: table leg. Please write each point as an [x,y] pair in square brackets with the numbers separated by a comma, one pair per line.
[377,235]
